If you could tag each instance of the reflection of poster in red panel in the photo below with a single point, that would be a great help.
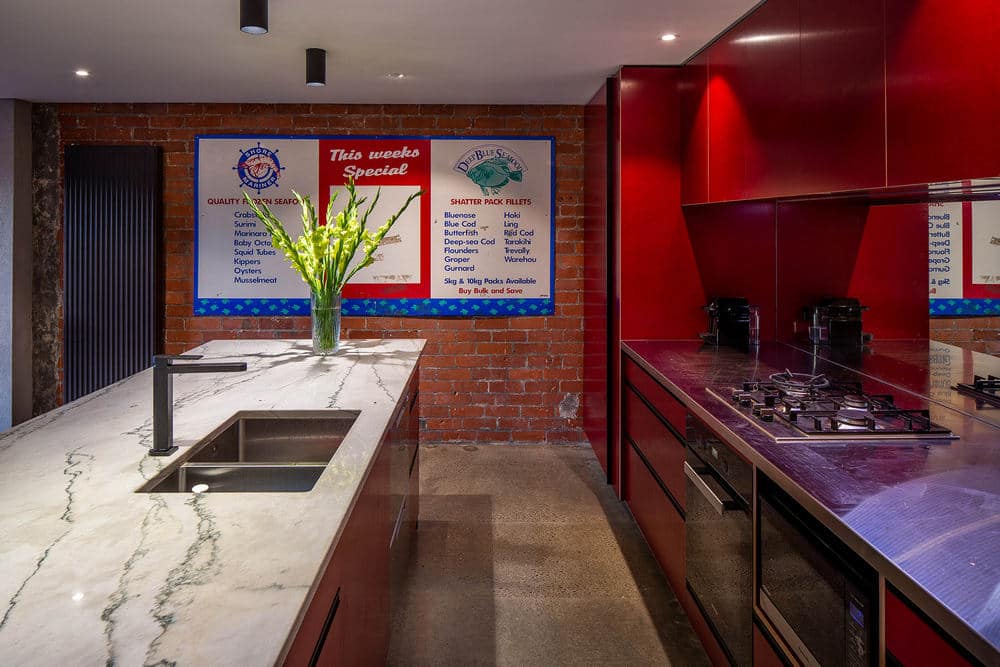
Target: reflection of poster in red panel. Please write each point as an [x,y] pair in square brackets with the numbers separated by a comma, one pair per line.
[398,167]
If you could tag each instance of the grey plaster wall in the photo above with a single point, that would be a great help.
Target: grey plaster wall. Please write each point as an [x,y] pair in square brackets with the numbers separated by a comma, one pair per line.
[15,262]
[47,283]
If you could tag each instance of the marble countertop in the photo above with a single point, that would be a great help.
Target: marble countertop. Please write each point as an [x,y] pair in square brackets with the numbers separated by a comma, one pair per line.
[926,515]
[95,573]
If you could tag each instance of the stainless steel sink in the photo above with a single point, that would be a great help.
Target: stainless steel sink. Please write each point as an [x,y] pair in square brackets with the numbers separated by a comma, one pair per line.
[276,452]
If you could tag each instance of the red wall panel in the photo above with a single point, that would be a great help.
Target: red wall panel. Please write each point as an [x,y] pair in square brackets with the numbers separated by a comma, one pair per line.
[846,249]
[595,275]
[816,244]
[942,90]
[734,247]
[657,289]
[890,271]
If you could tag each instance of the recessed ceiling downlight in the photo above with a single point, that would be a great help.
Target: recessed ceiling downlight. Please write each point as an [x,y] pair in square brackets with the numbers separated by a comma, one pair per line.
[395,75]
[668,37]
[82,73]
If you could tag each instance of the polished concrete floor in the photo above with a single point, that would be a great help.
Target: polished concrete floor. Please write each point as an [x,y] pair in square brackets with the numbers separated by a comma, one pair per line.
[524,557]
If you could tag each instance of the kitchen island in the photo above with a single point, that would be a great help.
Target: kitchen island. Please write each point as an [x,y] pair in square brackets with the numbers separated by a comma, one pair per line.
[96,572]
[924,514]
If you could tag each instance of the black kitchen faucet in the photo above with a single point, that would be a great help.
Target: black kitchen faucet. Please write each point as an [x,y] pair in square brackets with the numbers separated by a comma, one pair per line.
[164,370]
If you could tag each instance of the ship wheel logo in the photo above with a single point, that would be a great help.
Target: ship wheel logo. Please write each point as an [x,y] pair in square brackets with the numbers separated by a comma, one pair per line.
[259,167]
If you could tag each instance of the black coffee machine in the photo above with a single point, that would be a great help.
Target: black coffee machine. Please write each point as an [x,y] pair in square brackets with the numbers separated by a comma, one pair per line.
[732,322]
[836,322]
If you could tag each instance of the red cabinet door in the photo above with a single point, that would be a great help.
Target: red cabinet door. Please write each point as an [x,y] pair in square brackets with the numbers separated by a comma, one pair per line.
[942,93]
[840,127]
[768,86]
[693,100]
[659,521]
[727,124]
[912,641]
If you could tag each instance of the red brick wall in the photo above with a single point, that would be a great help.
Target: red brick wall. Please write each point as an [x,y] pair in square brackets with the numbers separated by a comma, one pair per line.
[499,379]
[981,334]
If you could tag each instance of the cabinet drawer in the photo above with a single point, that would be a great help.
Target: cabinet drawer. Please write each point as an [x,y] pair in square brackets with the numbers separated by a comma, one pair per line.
[657,443]
[661,399]
[659,521]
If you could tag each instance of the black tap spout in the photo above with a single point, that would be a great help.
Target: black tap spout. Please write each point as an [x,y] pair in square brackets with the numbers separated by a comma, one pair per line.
[164,369]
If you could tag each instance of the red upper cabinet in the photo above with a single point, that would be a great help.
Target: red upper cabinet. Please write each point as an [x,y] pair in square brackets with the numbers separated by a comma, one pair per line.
[727,124]
[768,86]
[840,128]
[694,130]
[943,90]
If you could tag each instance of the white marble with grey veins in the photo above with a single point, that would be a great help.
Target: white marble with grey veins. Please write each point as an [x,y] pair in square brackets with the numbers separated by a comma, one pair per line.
[94,573]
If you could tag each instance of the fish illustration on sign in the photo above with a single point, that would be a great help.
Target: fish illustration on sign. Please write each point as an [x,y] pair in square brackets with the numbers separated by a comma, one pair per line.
[491,167]
[493,174]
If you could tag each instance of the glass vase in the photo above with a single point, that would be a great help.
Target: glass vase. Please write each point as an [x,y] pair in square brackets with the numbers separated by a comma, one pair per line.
[325,322]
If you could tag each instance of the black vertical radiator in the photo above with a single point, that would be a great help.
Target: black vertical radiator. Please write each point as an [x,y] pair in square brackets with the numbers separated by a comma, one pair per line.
[113,308]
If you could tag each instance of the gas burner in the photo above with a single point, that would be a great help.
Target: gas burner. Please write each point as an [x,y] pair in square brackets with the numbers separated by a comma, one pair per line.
[858,418]
[856,401]
[799,384]
[986,390]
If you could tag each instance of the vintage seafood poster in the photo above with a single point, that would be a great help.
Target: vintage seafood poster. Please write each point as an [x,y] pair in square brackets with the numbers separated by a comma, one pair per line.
[479,242]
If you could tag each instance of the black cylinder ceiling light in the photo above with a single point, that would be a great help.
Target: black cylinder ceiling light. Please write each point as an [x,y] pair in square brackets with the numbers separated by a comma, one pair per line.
[253,16]
[315,67]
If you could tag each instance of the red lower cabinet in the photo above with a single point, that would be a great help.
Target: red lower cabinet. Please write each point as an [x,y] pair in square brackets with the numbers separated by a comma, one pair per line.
[663,527]
[913,642]
[764,652]
[347,622]
[659,520]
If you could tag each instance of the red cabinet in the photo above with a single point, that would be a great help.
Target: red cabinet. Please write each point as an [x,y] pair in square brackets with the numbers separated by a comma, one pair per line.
[767,85]
[840,127]
[943,90]
[348,619]
[764,653]
[912,641]
[347,622]
[693,100]
[661,448]
[727,123]
[808,97]
[659,520]
[662,401]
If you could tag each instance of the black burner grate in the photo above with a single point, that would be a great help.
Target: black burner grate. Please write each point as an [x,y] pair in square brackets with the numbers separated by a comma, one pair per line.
[986,390]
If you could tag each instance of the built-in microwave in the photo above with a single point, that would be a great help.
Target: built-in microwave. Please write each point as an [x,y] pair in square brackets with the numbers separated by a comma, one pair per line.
[820,596]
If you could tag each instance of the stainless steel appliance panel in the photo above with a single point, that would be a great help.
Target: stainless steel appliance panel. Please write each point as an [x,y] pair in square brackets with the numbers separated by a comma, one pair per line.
[718,546]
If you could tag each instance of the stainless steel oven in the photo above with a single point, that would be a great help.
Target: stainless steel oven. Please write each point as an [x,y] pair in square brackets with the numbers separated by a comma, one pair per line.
[819,595]
[718,532]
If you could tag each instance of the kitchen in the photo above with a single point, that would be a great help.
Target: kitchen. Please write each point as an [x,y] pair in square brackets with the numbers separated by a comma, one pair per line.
[788,157]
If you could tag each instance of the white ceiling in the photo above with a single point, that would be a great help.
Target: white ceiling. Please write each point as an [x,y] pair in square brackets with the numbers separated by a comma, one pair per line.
[453,51]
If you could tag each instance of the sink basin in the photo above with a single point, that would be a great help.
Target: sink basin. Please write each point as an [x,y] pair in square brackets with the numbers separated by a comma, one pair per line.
[258,453]
[213,478]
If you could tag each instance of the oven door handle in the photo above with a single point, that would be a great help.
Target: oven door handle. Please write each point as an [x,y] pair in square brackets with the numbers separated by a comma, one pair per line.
[718,504]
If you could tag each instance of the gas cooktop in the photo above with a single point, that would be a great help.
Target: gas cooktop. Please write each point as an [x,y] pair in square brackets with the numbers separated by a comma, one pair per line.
[796,407]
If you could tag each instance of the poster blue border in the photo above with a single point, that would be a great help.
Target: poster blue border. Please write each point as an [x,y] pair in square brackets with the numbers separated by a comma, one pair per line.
[964,307]
[424,307]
